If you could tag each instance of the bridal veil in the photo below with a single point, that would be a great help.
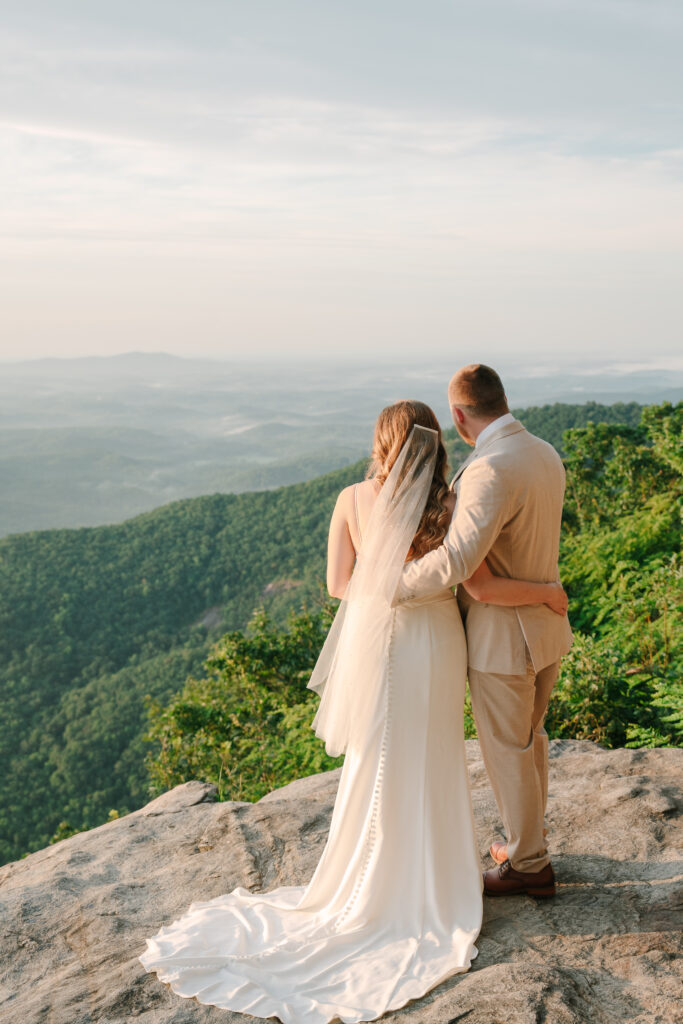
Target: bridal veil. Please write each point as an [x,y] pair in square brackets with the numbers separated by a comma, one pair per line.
[351,665]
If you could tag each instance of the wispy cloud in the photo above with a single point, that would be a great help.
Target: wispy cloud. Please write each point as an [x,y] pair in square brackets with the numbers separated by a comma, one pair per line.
[514,169]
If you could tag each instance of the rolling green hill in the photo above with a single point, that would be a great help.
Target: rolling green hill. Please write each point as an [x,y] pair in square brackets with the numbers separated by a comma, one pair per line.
[93,620]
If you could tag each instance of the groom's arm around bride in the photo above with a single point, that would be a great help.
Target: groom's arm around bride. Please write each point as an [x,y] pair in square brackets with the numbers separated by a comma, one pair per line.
[508,510]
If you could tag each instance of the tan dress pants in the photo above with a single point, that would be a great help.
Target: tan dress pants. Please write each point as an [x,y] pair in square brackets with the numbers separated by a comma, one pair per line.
[509,712]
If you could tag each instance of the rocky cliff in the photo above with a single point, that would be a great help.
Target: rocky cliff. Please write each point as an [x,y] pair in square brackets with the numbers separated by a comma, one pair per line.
[76,914]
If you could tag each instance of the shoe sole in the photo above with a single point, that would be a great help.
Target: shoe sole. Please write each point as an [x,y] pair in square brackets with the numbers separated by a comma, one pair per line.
[538,894]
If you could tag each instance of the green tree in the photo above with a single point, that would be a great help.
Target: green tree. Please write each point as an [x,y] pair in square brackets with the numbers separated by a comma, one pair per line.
[245,724]
[620,563]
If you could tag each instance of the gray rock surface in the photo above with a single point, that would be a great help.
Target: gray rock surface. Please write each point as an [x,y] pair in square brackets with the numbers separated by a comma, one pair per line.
[75,915]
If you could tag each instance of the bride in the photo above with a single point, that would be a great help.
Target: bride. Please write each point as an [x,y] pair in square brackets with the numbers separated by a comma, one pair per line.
[395,904]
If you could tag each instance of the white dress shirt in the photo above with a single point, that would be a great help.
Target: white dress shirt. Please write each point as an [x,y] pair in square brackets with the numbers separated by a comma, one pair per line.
[502,421]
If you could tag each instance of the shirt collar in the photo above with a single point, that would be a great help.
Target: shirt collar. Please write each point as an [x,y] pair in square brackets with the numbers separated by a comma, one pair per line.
[502,421]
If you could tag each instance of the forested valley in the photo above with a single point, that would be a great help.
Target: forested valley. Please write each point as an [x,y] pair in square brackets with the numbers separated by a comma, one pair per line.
[178,644]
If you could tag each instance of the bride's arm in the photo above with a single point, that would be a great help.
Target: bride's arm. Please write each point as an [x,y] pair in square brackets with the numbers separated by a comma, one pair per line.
[341,554]
[484,586]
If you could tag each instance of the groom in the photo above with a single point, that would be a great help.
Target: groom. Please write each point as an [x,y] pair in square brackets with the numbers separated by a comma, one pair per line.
[508,510]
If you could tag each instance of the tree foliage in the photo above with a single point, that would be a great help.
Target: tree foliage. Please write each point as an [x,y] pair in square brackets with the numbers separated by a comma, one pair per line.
[621,565]
[94,620]
[246,723]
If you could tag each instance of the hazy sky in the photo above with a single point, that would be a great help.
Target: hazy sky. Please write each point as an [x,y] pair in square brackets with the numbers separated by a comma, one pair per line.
[243,176]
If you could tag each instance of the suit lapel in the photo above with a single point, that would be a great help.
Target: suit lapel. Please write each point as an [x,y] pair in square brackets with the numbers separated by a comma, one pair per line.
[461,469]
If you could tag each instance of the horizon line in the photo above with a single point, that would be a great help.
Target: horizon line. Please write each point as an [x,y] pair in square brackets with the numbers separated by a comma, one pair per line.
[590,366]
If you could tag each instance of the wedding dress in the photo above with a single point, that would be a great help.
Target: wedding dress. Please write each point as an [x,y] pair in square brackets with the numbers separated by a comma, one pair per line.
[394,906]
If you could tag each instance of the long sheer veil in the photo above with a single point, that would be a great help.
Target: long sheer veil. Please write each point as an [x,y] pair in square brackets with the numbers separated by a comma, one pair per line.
[351,672]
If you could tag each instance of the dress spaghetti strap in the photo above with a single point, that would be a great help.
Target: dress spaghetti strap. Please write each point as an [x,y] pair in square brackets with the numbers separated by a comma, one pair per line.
[355,505]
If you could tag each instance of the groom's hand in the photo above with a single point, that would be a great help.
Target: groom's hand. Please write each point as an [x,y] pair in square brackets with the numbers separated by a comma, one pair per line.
[558,600]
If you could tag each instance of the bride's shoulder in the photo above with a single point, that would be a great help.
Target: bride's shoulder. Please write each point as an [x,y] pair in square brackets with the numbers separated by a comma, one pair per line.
[346,497]
[362,489]
[346,494]
[356,500]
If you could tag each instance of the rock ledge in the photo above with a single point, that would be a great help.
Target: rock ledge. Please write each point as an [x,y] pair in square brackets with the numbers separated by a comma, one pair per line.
[603,951]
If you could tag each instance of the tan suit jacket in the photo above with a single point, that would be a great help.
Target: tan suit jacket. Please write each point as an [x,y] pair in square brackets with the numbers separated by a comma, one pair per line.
[508,510]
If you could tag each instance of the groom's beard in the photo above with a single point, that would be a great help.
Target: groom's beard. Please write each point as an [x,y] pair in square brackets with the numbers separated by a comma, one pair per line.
[467,438]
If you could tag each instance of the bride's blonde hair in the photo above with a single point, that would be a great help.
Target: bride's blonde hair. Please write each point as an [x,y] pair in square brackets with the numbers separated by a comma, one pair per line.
[391,432]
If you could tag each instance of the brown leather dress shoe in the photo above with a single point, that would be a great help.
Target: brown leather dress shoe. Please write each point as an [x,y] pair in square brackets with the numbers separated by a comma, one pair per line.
[505,881]
[499,851]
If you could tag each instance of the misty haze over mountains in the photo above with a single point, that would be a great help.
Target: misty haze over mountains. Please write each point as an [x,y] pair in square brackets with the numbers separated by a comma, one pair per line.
[95,440]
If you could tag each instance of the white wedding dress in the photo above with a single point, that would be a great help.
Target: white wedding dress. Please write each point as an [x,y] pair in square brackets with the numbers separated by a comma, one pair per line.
[395,904]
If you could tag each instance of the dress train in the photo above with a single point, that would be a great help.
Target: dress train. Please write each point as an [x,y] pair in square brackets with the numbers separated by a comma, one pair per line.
[394,906]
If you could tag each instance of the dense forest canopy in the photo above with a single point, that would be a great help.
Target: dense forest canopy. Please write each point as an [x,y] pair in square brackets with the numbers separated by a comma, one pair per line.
[98,624]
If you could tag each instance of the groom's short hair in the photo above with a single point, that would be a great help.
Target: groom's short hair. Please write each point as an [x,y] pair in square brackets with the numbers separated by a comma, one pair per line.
[479,390]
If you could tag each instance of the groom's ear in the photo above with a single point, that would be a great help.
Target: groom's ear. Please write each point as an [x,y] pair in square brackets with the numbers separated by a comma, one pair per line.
[457,414]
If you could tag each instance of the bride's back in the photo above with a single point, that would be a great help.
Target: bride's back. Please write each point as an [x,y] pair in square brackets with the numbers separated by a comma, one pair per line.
[394,445]
[358,502]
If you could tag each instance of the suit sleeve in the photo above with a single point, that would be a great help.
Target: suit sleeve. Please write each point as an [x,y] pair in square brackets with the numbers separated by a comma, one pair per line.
[481,511]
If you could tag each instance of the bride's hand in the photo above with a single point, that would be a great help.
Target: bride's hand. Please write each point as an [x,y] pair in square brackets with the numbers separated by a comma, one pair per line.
[557,599]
